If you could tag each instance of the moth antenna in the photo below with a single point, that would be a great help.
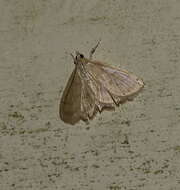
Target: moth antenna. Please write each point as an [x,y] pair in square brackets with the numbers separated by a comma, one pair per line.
[74,59]
[72,56]
[94,49]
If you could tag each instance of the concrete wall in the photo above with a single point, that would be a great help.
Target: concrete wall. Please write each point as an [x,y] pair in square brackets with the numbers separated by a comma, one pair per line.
[137,147]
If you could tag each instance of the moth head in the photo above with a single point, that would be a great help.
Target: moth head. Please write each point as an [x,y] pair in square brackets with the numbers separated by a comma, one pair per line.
[79,57]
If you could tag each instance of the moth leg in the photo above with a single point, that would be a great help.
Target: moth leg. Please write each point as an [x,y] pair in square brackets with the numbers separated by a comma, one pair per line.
[93,50]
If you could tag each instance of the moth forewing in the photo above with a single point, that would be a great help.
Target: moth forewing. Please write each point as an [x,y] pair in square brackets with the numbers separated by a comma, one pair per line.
[69,109]
[118,82]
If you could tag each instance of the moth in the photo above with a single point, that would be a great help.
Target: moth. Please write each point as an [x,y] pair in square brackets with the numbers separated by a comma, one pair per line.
[93,87]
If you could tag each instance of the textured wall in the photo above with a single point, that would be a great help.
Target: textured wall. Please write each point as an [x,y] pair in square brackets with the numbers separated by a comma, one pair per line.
[137,147]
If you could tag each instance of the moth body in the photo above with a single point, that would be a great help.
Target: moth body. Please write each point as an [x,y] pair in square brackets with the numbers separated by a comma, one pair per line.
[93,87]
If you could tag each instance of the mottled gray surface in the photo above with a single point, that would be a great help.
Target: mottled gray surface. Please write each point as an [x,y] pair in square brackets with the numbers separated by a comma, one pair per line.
[137,147]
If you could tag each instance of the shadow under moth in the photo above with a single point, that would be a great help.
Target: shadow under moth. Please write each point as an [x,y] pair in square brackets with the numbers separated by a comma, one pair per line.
[93,87]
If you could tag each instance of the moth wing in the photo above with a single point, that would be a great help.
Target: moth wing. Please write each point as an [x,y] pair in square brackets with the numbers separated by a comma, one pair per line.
[105,87]
[70,105]
[120,84]
[82,99]
[94,98]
